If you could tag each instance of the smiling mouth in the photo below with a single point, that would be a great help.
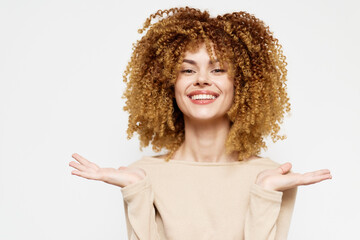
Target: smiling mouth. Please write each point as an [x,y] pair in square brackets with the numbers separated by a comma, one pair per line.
[202,101]
[203,97]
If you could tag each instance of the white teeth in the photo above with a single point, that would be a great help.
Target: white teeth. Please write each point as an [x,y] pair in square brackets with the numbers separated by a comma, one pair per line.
[202,96]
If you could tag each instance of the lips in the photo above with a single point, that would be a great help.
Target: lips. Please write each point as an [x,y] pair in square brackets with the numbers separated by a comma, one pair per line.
[207,92]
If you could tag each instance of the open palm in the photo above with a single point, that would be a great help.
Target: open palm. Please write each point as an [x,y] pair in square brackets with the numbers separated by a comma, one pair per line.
[121,177]
[281,178]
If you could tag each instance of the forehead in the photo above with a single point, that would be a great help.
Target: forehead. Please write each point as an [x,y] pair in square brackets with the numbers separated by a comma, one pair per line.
[198,52]
[199,55]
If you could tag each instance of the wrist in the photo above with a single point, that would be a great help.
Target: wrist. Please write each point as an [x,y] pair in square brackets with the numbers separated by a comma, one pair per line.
[134,180]
[265,185]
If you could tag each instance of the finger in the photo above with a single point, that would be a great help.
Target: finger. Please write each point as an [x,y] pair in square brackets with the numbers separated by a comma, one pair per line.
[76,172]
[307,180]
[82,160]
[317,173]
[322,171]
[84,175]
[77,166]
[285,168]
[319,178]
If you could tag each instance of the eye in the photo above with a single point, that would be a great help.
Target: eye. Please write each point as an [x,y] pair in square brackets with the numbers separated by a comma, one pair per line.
[218,70]
[187,71]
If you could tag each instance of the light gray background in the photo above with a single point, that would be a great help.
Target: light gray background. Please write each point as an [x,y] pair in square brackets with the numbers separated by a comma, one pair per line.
[61,65]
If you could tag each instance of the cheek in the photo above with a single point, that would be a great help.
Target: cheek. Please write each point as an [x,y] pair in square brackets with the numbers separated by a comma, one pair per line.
[227,86]
[179,92]
[177,89]
[180,86]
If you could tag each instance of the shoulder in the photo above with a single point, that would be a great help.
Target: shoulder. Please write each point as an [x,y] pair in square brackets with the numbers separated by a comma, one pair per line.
[155,168]
[147,161]
[262,162]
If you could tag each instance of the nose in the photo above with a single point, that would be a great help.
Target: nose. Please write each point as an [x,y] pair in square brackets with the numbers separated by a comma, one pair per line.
[202,79]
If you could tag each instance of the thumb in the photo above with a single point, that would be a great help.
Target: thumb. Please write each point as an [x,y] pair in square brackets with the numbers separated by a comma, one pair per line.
[285,168]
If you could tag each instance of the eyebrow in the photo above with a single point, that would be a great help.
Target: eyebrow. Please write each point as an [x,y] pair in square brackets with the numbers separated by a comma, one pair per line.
[194,63]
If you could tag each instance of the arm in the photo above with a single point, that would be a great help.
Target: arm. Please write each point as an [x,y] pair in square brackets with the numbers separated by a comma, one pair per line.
[286,211]
[272,200]
[269,213]
[140,211]
[137,193]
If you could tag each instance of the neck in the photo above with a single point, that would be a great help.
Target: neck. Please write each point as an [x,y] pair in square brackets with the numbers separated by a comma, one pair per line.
[205,141]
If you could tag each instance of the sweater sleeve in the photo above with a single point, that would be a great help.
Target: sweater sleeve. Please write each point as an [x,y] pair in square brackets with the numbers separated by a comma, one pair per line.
[140,211]
[269,214]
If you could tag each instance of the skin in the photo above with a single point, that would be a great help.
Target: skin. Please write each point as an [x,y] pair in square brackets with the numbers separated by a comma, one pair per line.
[206,128]
[120,177]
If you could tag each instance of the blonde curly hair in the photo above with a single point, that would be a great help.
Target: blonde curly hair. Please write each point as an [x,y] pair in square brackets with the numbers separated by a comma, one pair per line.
[258,68]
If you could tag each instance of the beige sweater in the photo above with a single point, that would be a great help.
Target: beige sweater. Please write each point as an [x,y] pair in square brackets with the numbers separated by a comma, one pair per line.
[182,200]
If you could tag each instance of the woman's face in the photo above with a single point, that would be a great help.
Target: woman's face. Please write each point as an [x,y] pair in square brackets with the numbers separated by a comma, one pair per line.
[215,90]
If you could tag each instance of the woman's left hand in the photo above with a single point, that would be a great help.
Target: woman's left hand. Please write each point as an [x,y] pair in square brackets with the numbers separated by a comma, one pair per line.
[280,179]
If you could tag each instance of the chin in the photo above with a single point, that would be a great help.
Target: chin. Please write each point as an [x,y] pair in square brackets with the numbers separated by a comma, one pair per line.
[206,117]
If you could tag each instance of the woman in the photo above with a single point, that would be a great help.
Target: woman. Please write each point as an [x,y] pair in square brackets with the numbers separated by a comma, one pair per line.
[208,90]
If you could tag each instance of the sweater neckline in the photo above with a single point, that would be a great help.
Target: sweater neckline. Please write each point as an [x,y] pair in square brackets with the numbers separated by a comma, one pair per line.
[161,160]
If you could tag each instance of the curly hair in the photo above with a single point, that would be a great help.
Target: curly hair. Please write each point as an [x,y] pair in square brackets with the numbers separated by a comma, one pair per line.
[258,68]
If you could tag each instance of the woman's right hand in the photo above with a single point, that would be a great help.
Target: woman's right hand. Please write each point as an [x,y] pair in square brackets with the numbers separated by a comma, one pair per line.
[121,177]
